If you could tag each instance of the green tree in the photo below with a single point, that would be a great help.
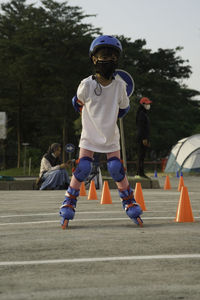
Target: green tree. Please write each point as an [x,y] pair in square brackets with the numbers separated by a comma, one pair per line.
[40,64]
[158,75]
[44,56]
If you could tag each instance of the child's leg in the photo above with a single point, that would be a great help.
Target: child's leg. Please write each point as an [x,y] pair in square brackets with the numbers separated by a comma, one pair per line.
[116,169]
[84,153]
[122,184]
[67,210]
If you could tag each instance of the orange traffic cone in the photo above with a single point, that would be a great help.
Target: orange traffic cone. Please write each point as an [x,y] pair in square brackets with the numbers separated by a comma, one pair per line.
[184,210]
[82,189]
[92,195]
[181,183]
[167,185]
[106,197]
[138,194]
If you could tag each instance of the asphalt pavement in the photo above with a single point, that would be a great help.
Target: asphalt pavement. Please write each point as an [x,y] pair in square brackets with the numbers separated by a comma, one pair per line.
[103,254]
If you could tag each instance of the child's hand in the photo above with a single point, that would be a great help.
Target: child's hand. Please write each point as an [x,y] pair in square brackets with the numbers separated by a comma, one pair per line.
[77,104]
[65,165]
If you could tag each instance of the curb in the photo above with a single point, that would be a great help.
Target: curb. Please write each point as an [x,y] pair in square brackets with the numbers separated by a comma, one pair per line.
[29,184]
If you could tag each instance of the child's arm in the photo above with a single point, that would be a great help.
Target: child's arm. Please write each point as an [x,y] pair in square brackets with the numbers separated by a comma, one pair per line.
[81,94]
[123,111]
[77,104]
[124,103]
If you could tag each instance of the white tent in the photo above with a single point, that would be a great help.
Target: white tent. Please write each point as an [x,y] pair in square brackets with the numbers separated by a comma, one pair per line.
[185,155]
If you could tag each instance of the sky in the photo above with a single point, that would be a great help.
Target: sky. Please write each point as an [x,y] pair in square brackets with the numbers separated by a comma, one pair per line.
[164,24]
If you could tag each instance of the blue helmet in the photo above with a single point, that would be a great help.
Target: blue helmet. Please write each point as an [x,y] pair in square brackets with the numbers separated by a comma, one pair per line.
[105,41]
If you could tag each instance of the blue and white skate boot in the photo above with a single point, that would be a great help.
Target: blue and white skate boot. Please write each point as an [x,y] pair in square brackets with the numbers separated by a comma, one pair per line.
[67,210]
[132,209]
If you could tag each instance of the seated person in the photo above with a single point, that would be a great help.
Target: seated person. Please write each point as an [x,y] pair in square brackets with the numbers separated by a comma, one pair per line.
[53,175]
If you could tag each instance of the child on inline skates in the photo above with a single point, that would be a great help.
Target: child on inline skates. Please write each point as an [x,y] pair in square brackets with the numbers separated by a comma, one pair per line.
[101,99]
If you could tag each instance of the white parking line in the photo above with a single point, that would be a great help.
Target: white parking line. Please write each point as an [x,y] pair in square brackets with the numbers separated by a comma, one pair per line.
[29,215]
[101,259]
[77,213]
[88,212]
[88,220]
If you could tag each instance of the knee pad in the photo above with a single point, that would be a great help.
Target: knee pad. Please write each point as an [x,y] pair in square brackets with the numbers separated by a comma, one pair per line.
[83,169]
[116,169]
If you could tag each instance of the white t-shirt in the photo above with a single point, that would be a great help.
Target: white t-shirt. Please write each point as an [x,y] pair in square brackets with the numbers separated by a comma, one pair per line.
[100,132]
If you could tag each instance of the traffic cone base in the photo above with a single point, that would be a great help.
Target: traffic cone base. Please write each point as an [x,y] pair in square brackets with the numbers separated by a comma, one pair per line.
[184,210]
[167,185]
[92,195]
[106,197]
[138,195]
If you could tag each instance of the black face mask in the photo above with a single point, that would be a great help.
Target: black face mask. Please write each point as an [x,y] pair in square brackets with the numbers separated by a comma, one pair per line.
[105,68]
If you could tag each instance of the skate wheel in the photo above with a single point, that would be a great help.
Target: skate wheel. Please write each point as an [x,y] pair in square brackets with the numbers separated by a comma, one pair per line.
[140,223]
[65,224]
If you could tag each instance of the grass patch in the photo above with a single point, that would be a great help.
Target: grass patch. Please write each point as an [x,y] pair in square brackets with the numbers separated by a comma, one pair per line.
[19,172]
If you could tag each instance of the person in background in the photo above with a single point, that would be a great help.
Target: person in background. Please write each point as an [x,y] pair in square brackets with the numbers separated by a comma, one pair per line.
[143,134]
[53,174]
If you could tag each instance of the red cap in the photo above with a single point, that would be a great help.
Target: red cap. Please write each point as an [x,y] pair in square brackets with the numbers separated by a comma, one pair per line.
[145,100]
